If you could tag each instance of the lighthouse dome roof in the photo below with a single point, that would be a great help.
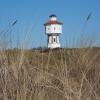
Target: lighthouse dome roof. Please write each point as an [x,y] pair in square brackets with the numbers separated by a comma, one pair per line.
[53,20]
[53,15]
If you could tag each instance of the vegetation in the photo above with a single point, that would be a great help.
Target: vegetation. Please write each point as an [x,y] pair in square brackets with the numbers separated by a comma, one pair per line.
[60,74]
[49,74]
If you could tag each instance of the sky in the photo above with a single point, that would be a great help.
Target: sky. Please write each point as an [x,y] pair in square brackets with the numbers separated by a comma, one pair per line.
[32,14]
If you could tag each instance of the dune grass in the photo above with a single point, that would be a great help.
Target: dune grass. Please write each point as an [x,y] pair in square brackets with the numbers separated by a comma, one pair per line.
[49,74]
[61,74]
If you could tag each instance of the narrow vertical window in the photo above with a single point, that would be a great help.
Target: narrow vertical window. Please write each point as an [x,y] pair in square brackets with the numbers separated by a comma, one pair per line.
[54,40]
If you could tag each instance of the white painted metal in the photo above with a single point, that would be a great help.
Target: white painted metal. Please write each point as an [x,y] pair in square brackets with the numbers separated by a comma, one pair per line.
[54,45]
[54,28]
[53,18]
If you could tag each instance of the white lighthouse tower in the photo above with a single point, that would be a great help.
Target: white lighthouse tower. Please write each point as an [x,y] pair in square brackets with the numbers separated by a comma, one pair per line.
[53,29]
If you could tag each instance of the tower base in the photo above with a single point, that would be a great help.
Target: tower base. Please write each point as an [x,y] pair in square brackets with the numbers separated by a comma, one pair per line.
[54,45]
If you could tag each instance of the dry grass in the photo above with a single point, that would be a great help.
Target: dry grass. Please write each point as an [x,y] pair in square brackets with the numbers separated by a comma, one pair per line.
[61,74]
[58,74]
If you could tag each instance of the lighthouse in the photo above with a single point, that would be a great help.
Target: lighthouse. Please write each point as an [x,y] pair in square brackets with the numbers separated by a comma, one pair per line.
[53,29]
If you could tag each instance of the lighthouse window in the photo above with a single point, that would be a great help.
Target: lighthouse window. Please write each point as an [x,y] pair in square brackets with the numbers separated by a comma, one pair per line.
[54,39]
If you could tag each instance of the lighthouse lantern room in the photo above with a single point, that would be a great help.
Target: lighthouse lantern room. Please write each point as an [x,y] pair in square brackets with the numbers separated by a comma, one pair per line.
[53,29]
